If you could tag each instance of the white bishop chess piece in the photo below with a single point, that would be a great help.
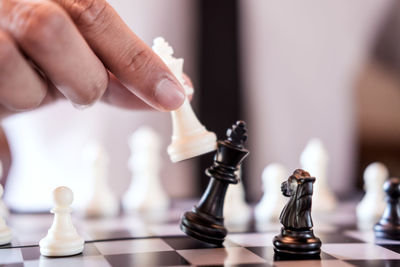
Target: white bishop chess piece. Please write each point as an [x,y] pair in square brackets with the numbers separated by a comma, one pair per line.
[236,211]
[272,202]
[5,232]
[62,238]
[189,138]
[102,203]
[371,207]
[4,212]
[314,160]
[145,194]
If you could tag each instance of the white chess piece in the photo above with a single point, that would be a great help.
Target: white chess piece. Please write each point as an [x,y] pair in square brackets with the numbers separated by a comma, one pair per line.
[236,210]
[272,202]
[62,238]
[4,212]
[371,207]
[5,232]
[102,203]
[189,138]
[314,159]
[145,193]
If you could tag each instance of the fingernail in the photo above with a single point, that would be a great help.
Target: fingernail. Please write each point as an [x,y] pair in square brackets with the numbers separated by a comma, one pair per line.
[168,95]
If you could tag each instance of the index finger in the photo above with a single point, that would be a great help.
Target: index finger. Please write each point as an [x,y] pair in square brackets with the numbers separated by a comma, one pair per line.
[125,54]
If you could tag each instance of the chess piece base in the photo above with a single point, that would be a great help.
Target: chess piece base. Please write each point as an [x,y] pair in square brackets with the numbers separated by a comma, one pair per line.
[203,227]
[297,243]
[191,146]
[57,247]
[5,236]
[388,231]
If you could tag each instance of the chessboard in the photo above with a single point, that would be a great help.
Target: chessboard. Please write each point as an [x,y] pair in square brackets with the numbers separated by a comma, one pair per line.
[130,241]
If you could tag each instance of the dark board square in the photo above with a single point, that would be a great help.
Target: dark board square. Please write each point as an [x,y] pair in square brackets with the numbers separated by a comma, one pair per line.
[163,258]
[30,253]
[90,249]
[395,248]
[268,253]
[242,265]
[111,235]
[185,242]
[337,237]
[374,263]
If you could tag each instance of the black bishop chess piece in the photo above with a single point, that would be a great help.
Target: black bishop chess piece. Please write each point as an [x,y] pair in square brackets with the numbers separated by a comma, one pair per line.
[205,221]
[389,225]
[297,239]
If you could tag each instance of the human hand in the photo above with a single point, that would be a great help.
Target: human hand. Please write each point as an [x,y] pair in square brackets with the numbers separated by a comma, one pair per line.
[80,50]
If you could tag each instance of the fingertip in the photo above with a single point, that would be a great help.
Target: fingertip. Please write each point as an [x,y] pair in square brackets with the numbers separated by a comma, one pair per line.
[169,95]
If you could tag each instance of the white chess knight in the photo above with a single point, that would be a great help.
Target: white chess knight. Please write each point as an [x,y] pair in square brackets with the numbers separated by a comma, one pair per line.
[189,138]
[4,212]
[62,238]
[102,203]
[371,207]
[236,210]
[5,232]
[314,159]
[145,193]
[272,202]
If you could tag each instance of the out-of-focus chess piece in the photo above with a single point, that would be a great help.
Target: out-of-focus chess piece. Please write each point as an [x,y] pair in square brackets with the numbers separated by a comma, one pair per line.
[5,232]
[102,203]
[371,207]
[237,212]
[145,194]
[189,138]
[4,212]
[297,237]
[389,225]
[272,202]
[315,159]
[62,238]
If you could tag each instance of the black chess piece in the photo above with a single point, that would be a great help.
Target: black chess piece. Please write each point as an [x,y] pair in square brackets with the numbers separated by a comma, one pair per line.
[205,221]
[297,237]
[389,225]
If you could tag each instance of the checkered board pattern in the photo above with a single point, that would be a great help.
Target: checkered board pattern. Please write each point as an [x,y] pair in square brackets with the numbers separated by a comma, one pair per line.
[340,248]
[125,241]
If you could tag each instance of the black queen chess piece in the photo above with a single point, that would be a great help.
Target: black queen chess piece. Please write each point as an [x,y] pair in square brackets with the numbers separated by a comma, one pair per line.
[205,221]
[297,237]
[389,225]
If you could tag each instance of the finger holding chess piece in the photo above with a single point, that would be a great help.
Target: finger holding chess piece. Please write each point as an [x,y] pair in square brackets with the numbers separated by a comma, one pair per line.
[297,237]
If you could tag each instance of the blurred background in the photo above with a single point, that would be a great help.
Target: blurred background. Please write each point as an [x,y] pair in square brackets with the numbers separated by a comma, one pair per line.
[292,70]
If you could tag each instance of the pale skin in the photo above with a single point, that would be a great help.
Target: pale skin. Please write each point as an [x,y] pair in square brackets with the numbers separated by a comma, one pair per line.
[80,50]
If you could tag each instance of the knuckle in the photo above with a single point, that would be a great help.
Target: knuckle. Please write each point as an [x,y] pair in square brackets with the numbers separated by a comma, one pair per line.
[136,60]
[40,24]
[88,12]
[22,100]
[92,93]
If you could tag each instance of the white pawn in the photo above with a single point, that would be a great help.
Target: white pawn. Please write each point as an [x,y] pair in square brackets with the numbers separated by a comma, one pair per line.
[4,212]
[272,202]
[371,207]
[236,210]
[102,203]
[5,232]
[145,193]
[314,160]
[62,238]
[189,138]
